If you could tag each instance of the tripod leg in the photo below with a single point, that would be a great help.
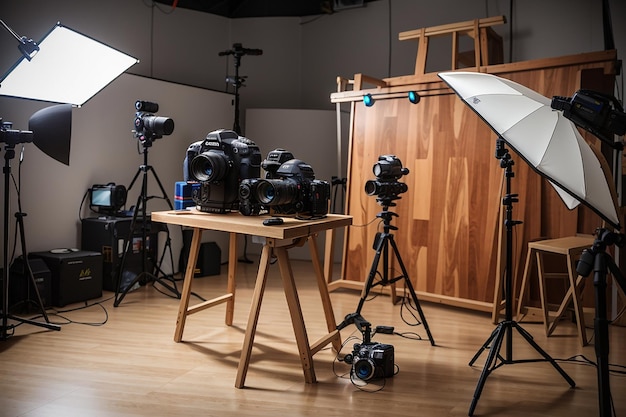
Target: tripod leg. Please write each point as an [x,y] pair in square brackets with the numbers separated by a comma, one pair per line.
[156,177]
[496,339]
[543,353]
[31,276]
[485,346]
[601,331]
[47,324]
[373,269]
[119,293]
[409,285]
[369,283]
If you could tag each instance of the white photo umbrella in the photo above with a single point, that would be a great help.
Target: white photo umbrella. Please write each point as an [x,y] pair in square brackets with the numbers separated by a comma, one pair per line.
[548,141]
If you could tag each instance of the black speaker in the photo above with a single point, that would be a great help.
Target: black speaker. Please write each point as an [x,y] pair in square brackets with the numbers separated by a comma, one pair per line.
[76,275]
[209,257]
[22,295]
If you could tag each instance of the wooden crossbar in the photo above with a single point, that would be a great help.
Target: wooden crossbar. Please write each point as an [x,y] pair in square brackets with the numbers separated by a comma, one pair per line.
[478,29]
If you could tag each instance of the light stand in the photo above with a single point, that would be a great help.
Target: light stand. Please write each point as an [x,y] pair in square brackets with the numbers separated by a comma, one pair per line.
[237,52]
[597,259]
[504,330]
[11,137]
[383,240]
[53,70]
[144,277]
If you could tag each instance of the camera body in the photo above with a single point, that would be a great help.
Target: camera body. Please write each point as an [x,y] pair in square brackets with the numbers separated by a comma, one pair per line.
[249,204]
[291,189]
[148,126]
[388,170]
[219,163]
[371,361]
[274,160]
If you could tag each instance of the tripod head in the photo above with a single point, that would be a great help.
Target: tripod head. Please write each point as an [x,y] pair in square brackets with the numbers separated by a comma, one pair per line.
[604,239]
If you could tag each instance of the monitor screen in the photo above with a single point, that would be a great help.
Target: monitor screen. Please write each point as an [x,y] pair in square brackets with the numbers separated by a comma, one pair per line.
[101,197]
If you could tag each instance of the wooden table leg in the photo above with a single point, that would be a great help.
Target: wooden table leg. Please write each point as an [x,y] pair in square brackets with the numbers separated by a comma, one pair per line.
[189,274]
[297,320]
[255,308]
[323,289]
[232,273]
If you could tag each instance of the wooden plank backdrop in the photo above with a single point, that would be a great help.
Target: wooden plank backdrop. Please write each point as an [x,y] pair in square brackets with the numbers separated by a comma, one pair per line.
[449,220]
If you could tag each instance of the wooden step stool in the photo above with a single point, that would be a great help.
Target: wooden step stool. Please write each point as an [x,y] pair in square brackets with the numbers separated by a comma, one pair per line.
[570,247]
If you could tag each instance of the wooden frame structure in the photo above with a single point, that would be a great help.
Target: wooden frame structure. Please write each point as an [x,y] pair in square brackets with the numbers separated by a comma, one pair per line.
[449,220]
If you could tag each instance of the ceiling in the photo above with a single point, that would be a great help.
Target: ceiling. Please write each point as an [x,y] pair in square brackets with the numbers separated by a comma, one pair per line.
[265,8]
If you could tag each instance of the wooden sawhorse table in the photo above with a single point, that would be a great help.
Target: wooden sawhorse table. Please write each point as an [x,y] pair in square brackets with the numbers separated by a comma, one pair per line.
[278,240]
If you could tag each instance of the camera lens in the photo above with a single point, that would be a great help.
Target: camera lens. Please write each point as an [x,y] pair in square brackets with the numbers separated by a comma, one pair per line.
[371,187]
[209,166]
[385,188]
[244,191]
[364,369]
[277,192]
[156,125]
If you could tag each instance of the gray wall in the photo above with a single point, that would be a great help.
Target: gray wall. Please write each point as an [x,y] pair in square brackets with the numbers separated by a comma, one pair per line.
[301,60]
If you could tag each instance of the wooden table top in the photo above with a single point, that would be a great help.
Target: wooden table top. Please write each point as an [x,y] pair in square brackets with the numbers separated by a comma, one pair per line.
[563,245]
[251,225]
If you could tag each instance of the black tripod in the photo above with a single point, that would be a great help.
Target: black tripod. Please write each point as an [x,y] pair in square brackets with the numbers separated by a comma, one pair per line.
[9,153]
[504,329]
[237,52]
[381,245]
[144,276]
[597,259]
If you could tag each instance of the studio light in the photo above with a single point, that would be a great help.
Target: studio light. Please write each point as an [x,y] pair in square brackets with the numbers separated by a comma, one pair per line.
[368,100]
[52,131]
[64,67]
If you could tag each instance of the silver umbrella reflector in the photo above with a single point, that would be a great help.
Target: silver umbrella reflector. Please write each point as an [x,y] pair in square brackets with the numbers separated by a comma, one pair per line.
[549,142]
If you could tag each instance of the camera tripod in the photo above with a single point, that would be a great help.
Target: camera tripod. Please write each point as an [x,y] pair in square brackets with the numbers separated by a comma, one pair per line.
[597,259]
[144,276]
[9,154]
[504,329]
[381,245]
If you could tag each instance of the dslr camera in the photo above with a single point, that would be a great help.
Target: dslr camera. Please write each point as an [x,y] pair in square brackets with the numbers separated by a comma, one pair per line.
[248,203]
[388,170]
[289,189]
[148,126]
[371,361]
[219,163]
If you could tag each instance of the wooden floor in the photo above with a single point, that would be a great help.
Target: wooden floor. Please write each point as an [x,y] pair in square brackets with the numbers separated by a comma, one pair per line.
[130,365]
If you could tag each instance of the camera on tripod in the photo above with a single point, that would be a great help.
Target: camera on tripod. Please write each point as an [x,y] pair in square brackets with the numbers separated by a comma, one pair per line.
[371,361]
[290,187]
[388,170]
[219,163]
[149,127]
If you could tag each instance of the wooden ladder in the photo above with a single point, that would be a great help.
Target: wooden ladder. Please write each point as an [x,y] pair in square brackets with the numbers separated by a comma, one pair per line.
[488,49]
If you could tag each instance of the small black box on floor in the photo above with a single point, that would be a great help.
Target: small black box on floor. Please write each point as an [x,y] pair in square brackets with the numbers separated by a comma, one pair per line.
[21,290]
[209,257]
[76,275]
